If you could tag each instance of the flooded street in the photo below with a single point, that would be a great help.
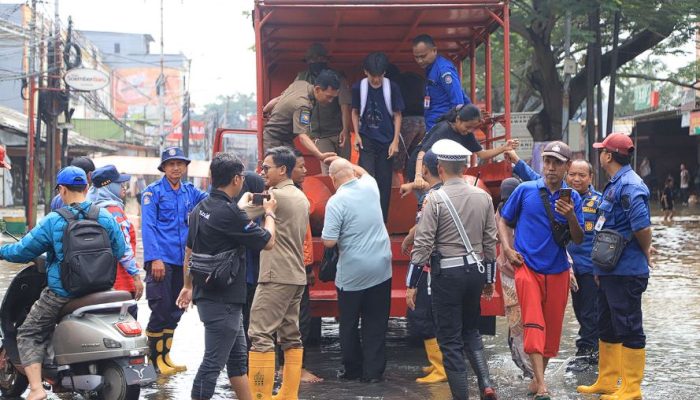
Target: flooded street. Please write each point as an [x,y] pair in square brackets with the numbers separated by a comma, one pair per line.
[672,322]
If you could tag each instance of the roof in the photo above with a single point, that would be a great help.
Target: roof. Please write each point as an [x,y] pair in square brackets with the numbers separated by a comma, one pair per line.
[351,29]
[146,36]
[656,115]
[17,122]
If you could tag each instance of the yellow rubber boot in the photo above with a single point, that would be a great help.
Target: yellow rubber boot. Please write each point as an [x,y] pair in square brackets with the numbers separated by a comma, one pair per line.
[156,346]
[609,369]
[291,375]
[432,349]
[261,374]
[168,339]
[633,361]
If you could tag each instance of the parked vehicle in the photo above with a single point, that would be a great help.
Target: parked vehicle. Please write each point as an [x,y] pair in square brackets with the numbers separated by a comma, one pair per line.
[98,349]
[350,29]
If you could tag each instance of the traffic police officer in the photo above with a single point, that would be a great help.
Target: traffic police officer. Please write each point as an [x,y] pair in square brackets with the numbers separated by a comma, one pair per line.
[625,210]
[584,298]
[291,115]
[443,88]
[458,276]
[165,207]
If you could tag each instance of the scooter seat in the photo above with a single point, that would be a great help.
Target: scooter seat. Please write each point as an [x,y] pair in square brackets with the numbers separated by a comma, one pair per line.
[94,298]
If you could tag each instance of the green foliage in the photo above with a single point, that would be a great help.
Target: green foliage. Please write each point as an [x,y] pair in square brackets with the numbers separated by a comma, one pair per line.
[239,105]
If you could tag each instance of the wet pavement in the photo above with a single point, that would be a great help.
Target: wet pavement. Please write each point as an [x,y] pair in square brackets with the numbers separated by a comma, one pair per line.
[672,322]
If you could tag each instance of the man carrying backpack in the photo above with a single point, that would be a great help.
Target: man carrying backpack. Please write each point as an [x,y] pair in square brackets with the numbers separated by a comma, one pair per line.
[58,237]
[376,115]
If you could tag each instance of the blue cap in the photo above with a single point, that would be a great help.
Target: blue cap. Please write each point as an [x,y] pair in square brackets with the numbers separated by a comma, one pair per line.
[103,176]
[430,159]
[172,153]
[71,176]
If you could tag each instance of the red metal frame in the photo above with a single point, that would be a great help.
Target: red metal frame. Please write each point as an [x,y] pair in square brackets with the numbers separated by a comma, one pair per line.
[285,28]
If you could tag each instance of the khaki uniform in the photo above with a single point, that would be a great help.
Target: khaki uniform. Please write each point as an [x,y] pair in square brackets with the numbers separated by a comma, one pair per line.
[457,285]
[437,231]
[327,120]
[290,117]
[282,276]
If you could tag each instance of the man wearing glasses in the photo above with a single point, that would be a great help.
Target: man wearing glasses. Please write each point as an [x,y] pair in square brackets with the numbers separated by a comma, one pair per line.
[281,281]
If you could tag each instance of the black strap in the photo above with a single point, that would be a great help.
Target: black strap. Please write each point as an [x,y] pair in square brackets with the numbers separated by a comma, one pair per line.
[93,212]
[548,207]
[66,214]
[194,221]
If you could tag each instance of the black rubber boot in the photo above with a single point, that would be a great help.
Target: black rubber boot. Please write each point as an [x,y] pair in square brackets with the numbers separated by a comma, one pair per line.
[459,385]
[586,358]
[477,359]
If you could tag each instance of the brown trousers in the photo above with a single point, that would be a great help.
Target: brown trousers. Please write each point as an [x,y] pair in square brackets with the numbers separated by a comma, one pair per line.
[275,309]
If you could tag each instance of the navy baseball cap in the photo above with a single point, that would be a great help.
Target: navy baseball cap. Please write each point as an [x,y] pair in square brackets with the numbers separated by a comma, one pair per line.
[430,159]
[71,176]
[103,176]
[172,153]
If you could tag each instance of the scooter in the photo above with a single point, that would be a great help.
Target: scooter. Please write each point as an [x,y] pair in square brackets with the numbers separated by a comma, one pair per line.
[98,349]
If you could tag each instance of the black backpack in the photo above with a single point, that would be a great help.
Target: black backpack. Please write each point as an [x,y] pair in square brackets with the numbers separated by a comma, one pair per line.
[88,265]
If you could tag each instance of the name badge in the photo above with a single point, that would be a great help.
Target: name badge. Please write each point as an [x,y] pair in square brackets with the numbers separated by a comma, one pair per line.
[599,223]
[426,102]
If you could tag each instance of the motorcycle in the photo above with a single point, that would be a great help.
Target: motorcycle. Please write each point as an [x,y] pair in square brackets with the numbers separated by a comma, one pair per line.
[97,350]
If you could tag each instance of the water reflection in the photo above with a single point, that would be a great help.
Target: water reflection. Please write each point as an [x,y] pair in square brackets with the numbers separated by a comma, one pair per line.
[672,321]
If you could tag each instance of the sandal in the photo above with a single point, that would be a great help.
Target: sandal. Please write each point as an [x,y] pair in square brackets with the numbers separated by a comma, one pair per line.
[542,396]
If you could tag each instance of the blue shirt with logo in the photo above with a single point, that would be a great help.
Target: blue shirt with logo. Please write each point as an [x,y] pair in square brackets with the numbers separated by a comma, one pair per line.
[164,220]
[533,232]
[625,208]
[580,253]
[443,90]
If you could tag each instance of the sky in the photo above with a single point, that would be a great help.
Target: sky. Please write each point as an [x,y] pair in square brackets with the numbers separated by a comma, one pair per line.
[214,34]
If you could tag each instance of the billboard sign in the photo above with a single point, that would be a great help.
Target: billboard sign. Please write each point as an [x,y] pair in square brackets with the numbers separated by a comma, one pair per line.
[86,79]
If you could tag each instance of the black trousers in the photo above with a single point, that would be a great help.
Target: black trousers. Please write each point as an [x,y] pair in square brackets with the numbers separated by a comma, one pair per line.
[364,351]
[585,303]
[162,295]
[224,345]
[373,158]
[456,294]
[250,295]
[421,322]
[620,305]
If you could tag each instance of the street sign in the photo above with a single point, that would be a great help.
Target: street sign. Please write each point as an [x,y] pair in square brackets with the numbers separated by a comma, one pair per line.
[86,79]
[642,97]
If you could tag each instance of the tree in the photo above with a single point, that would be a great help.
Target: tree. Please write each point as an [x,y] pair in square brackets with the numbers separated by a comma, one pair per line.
[644,25]
[231,111]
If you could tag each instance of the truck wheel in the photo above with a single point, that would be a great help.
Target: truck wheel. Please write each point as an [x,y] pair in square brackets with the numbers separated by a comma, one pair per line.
[115,387]
[12,382]
[314,331]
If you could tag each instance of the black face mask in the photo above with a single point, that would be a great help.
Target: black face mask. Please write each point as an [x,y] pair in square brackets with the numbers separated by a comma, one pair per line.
[316,67]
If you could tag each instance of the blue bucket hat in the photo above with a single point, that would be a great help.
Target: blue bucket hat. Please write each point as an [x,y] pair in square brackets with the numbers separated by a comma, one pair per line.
[71,176]
[103,176]
[172,153]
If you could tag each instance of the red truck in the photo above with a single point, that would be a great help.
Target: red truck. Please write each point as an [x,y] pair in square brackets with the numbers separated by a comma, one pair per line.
[350,29]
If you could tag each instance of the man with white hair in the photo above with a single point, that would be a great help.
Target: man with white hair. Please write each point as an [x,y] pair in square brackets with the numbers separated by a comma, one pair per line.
[354,223]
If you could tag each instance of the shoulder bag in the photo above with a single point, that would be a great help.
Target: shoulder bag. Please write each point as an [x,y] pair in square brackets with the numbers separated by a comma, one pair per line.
[560,232]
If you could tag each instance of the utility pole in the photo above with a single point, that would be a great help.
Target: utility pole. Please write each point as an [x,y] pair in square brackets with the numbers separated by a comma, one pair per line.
[161,86]
[613,73]
[186,125]
[30,211]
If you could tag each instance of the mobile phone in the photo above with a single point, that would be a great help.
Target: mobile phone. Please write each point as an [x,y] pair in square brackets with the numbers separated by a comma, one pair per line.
[565,194]
[258,198]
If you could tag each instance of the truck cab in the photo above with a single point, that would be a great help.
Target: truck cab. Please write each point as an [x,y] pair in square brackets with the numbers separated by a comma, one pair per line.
[350,29]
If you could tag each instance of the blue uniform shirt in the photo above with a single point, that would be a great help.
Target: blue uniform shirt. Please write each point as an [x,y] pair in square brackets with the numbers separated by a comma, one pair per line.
[533,232]
[47,237]
[443,90]
[164,220]
[625,208]
[580,253]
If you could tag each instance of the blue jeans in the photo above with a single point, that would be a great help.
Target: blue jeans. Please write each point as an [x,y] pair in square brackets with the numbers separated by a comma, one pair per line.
[224,345]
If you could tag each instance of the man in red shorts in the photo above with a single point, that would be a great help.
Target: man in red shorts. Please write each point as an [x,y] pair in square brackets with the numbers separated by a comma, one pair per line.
[547,215]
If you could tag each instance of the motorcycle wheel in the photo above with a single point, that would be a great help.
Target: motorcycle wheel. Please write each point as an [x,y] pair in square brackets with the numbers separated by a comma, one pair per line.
[12,382]
[115,387]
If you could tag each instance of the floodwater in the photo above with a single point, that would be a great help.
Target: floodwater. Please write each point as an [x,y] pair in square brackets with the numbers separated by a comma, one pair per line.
[672,323]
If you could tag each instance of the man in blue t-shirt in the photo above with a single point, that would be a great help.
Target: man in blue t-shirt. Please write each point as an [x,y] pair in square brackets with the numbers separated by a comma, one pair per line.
[376,115]
[540,208]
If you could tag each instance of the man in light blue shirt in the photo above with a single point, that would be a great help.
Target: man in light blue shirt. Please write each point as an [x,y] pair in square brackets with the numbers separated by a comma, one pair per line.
[354,223]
